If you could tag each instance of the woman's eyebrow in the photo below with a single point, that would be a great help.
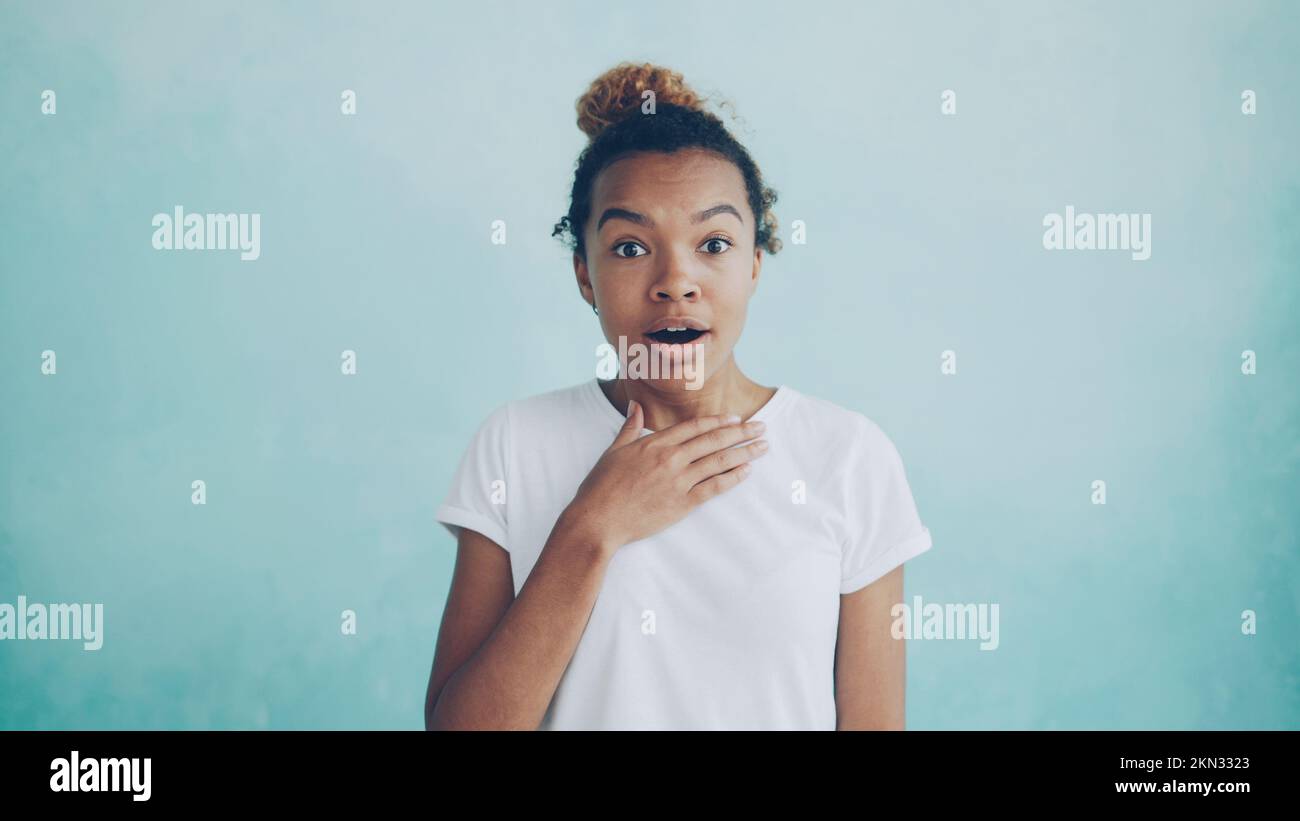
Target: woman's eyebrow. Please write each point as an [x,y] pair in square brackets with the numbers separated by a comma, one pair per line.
[623,213]
[642,219]
[720,208]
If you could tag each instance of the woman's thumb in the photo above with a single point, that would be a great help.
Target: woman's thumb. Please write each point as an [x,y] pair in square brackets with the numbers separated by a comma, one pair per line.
[631,430]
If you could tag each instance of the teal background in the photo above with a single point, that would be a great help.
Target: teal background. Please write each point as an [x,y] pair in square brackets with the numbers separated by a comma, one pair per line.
[924,234]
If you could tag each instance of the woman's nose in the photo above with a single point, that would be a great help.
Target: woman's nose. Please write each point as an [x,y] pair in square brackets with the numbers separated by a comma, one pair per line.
[675,283]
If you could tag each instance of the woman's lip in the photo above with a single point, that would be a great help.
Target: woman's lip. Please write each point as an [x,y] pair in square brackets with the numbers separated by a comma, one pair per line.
[677,322]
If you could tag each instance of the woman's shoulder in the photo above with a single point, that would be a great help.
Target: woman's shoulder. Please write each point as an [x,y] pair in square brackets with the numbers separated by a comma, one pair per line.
[558,406]
[842,432]
[830,418]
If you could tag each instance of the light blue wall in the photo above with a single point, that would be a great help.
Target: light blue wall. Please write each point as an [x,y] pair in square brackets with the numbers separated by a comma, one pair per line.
[924,235]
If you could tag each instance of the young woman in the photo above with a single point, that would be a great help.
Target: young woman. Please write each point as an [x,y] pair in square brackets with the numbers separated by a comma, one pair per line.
[633,553]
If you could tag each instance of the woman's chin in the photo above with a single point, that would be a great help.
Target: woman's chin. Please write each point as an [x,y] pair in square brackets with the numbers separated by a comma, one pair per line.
[670,386]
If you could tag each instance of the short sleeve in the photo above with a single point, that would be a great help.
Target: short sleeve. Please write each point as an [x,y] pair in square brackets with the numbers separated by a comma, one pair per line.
[883,526]
[478,494]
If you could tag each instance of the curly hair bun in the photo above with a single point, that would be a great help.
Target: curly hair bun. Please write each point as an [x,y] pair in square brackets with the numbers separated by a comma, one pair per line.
[619,92]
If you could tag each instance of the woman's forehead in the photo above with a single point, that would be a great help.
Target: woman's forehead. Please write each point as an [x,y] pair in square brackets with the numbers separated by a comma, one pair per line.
[678,181]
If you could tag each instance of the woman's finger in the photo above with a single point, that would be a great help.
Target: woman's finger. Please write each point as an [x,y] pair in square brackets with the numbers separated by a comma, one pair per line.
[724,460]
[719,438]
[723,481]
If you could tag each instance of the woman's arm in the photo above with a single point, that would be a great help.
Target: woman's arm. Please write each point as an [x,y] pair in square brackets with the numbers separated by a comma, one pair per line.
[870,665]
[499,658]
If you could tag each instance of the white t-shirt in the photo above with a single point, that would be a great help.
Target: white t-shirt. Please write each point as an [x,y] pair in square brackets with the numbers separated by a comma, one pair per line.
[726,619]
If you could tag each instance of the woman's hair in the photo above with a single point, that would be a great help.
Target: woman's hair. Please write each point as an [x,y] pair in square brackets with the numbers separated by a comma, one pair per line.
[610,114]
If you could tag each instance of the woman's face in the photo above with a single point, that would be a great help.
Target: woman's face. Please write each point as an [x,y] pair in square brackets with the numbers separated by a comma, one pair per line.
[670,240]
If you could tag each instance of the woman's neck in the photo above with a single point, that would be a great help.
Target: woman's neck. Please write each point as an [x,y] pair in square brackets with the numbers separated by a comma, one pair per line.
[728,391]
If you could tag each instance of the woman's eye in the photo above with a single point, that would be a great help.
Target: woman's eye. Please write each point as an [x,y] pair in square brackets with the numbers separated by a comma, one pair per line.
[629,244]
[716,245]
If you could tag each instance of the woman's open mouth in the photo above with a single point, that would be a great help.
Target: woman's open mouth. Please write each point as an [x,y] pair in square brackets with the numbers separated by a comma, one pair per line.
[670,336]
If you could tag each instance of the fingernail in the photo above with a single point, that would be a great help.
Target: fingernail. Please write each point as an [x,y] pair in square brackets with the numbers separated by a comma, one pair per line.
[733,419]
[757,425]
[761,444]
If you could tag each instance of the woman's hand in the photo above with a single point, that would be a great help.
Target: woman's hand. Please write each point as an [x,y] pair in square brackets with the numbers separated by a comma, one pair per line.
[643,484]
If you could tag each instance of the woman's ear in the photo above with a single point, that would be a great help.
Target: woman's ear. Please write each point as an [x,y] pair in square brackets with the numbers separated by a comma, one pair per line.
[584,279]
[758,269]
